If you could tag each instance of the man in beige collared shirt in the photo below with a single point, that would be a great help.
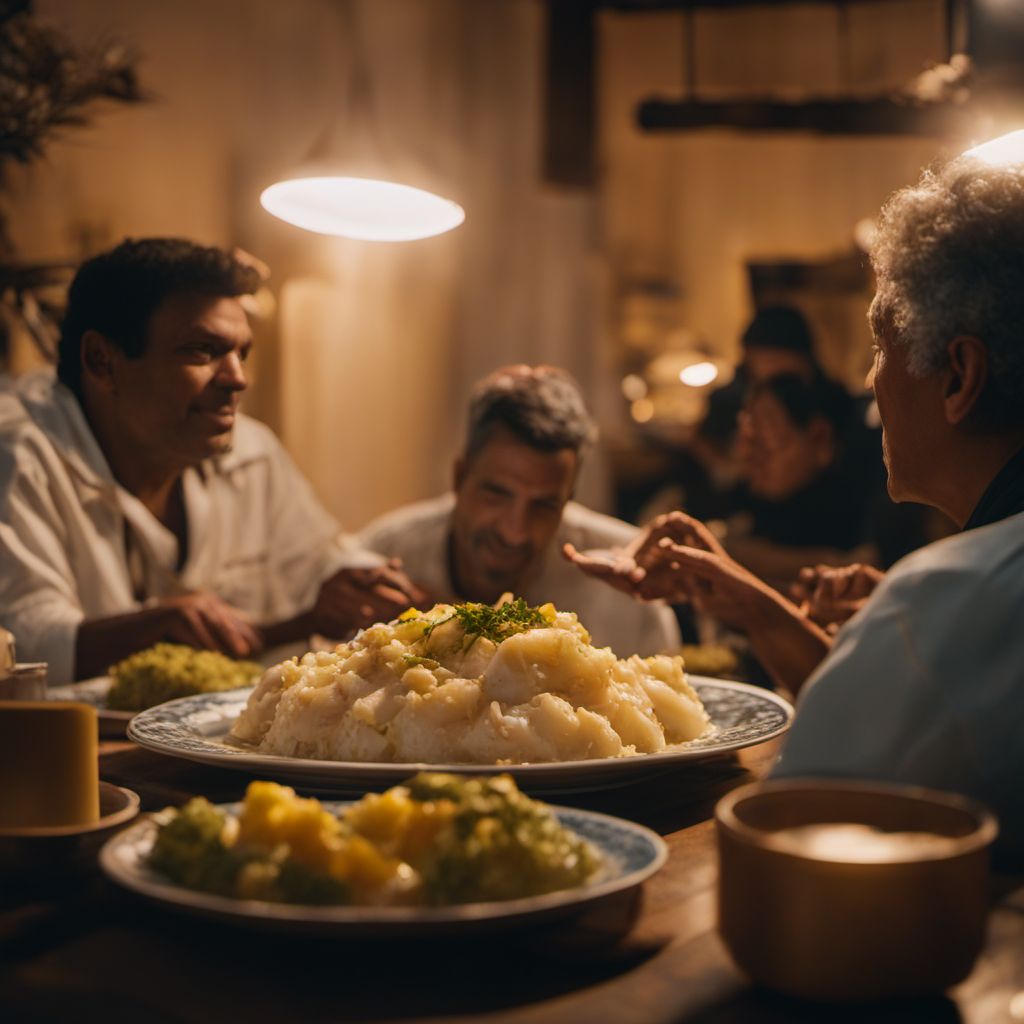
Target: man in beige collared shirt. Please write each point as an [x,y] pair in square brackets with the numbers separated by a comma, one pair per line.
[137,504]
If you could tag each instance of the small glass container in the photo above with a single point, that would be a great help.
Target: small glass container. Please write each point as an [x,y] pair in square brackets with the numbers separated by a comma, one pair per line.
[26,681]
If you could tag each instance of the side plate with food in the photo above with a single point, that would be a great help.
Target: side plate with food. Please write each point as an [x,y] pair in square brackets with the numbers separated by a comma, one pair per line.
[167,858]
[149,677]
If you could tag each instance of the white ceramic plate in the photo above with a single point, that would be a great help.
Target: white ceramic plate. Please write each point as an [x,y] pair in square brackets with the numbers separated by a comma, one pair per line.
[631,854]
[94,692]
[196,728]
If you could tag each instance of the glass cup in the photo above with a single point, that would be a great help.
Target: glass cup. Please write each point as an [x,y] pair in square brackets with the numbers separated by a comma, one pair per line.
[26,681]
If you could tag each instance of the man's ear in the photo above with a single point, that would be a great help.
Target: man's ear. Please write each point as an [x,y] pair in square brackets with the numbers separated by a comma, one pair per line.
[965,377]
[99,360]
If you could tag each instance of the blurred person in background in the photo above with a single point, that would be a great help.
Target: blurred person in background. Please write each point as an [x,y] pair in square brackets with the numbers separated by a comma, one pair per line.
[702,473]
[777,341]
[137,504]
[925,683]
[502,527]
[802,502]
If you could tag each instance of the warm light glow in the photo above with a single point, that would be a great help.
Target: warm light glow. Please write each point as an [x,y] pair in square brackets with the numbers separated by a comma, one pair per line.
[634,387]
[1002,151]
[642,410]
[378,211]
[864,232]
[696,375]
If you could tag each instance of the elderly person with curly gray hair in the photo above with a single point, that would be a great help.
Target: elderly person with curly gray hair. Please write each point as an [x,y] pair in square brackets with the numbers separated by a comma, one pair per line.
[925,684]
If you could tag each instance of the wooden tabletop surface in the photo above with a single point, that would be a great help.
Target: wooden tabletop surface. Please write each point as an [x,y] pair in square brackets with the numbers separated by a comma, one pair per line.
[75,948]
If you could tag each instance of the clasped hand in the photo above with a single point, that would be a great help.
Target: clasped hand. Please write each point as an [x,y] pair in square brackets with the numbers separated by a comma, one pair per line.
[676,558]
[354,598]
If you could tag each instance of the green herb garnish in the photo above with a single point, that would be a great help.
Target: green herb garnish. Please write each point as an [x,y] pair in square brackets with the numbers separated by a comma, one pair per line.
[497,624]
[414,659]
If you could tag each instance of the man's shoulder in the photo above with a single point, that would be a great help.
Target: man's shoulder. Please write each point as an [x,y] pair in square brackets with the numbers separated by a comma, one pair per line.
[408,523]
[27,403]
[964,561]
[945,603]
[584,528]
[33,422]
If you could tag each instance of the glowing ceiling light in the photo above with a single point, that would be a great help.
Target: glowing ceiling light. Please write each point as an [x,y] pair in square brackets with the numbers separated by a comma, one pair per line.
[697,375]
[378,211]
[1002,151]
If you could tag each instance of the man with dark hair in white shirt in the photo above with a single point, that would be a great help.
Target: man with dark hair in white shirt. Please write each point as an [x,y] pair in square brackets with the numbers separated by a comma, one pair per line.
[138,505]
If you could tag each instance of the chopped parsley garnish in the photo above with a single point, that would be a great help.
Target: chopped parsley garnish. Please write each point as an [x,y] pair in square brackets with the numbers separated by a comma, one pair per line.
[497,624]
[494,624]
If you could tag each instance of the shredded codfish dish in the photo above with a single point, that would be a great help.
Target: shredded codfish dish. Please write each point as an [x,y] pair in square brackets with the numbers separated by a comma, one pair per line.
[470,683]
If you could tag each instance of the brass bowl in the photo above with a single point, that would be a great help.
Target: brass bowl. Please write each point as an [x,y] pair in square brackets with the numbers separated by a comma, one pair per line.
[35,850]
[907,920]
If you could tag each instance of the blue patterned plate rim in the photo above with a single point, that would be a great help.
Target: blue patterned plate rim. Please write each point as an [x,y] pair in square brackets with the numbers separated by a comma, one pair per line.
[631,852]
[91,691]
[742,715]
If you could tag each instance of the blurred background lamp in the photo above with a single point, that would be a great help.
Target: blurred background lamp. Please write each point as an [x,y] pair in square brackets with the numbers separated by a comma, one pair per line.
[346,185]
[1002,151]
[634,387]
[379,211]
[697,375]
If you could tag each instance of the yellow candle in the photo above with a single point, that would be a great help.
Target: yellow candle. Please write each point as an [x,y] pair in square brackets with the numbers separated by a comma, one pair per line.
[49,765]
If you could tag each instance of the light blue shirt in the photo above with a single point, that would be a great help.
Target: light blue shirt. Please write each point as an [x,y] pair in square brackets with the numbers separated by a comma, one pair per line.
[925,685]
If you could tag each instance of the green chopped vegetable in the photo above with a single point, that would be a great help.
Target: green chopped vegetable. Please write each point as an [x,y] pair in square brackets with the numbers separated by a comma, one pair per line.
[166,671]
[502,845]
[497,624]
[189,849]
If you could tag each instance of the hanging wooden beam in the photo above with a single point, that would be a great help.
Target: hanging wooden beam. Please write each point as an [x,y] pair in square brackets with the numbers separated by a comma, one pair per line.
[829,117]
[569,109]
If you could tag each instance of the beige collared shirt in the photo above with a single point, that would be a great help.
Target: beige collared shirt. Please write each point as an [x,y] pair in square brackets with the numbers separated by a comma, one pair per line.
[76,545]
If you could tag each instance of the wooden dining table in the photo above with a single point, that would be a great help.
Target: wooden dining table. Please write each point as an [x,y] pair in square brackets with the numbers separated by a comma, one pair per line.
[74,947]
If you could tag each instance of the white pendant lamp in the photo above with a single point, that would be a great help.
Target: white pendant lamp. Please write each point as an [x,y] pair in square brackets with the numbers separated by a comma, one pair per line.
[1001,151]
[378,211]
[332,197]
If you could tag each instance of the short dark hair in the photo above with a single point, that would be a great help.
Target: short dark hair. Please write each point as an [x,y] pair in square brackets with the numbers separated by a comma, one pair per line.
[780,327]
[118,291]
[805,400]
[540,405]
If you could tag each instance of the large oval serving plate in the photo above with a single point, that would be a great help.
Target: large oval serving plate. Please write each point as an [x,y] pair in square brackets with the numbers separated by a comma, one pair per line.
[197,729]
[630,852]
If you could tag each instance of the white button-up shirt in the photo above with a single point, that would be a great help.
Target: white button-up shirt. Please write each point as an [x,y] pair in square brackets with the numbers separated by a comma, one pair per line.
[76,545]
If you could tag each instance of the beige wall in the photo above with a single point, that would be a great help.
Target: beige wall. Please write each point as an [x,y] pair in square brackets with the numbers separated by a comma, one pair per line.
[694,207]
[365,368]
[366,364]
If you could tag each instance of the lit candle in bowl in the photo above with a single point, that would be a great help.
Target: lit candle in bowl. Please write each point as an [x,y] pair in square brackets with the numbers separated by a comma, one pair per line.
[845,890]
[852,843]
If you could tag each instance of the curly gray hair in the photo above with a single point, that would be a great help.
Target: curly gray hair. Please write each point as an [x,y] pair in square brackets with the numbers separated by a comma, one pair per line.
[949,260]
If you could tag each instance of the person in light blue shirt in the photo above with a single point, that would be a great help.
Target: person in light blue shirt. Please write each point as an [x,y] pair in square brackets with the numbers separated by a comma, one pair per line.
[925,684]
